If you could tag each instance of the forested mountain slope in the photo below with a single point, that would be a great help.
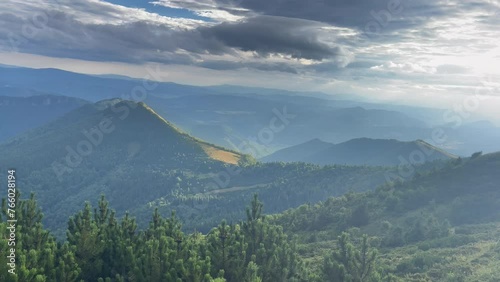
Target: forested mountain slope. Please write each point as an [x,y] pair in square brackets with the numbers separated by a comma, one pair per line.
[423,227]
[140,161]
[115,147]
[415,242]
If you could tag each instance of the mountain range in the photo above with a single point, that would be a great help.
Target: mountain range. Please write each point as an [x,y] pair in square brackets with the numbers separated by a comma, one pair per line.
[67,150]
[361,151]
[140,161]
[232,116]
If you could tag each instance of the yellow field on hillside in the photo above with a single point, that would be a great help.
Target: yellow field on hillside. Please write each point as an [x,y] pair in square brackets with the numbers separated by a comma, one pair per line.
[221,155]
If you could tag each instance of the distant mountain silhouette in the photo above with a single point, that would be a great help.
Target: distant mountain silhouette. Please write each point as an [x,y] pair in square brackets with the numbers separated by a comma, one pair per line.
[361,151]
[18,114]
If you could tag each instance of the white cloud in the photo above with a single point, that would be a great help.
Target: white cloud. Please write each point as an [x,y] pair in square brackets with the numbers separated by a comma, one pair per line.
[405,67]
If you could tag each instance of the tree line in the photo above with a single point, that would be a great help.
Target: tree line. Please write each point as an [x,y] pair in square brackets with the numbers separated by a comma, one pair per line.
[100,247]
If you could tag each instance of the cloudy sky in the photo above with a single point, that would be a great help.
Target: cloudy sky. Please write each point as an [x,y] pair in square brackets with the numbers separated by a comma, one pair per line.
[433,52]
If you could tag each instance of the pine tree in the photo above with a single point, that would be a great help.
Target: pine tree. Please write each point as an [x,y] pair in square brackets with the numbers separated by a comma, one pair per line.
[364,261]
[67,268]
[101,248]
[85,235]
[351,264]
[252,273]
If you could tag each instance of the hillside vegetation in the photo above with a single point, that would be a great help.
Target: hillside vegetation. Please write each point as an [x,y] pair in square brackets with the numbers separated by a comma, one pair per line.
[441,226]
[427,240]
[141,161]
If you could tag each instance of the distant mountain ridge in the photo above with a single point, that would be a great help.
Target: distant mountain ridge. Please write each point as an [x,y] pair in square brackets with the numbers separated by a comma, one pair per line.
[360,151]
[231,115]
[18,114]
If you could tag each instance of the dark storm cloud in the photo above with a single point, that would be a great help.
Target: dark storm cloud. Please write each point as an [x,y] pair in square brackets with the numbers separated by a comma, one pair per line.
[141,41]
[271,35]
[289,29]
[347,13]
[380,15]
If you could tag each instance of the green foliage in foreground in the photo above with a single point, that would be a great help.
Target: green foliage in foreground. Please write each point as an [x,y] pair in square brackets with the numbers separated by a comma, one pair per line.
[100,247]
[350,264]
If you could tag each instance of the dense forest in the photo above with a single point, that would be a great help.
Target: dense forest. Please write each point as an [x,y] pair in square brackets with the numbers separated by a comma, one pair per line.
[443,225]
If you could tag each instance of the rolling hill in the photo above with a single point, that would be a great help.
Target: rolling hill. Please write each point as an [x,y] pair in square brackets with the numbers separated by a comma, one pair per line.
[361,151]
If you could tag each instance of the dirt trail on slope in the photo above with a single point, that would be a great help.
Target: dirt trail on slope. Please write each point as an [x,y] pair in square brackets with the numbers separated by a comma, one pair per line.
[235,189]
